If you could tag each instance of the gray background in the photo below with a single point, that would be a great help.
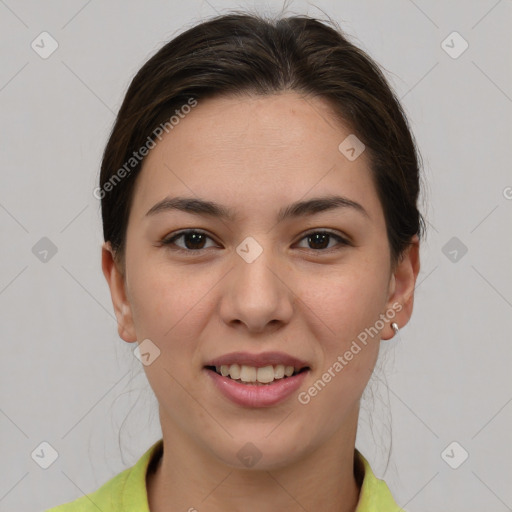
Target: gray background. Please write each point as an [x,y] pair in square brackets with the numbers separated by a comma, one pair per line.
[66,376]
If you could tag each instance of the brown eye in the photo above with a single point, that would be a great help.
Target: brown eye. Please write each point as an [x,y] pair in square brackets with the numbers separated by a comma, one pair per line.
[193,240]
[320,240]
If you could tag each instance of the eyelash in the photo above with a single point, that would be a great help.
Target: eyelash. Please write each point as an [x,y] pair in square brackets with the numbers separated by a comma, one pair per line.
[169,242]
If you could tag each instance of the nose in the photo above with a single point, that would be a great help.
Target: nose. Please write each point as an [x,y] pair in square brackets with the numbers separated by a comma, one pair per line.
[259,294]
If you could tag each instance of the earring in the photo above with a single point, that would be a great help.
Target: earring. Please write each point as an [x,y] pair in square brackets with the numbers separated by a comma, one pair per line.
[394,325]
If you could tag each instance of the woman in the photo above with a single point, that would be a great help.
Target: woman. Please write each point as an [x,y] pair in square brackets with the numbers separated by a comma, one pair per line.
[259,198]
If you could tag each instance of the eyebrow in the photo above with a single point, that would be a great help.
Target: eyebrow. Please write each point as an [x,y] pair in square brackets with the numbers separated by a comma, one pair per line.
[298,209]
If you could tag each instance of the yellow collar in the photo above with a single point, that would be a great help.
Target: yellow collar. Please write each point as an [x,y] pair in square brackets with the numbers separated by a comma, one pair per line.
[127,492]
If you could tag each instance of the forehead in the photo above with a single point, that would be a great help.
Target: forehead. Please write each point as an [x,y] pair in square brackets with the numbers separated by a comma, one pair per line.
[250,152]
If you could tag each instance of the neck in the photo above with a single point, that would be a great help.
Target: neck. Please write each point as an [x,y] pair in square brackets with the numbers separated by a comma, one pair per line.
[187,479]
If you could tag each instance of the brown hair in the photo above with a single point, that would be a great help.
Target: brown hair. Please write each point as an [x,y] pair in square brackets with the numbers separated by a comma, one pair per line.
[241,53]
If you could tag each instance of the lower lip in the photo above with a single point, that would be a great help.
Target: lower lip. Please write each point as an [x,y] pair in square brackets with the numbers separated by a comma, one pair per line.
[250,395]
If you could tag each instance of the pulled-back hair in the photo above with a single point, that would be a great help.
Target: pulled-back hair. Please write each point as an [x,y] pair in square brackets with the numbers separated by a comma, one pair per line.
[240,53]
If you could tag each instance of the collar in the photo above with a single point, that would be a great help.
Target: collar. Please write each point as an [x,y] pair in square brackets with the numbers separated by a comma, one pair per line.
[374,495]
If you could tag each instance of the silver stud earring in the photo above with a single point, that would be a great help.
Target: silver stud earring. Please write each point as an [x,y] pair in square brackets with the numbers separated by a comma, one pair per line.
[394,325]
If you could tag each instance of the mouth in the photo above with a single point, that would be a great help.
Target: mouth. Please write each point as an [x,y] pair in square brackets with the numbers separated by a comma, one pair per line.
[257,375]
[257,380]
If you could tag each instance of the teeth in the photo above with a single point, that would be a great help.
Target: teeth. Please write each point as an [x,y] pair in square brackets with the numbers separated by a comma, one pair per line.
[279,371]
[248,373]
[234,371]
[264,375]
[288,371]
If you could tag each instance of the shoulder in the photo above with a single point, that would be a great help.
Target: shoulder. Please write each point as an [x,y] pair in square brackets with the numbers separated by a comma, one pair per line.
[374,495]
[125,491]
[102,499]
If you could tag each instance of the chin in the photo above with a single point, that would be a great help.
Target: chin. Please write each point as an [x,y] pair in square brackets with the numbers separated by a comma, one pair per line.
[260,453]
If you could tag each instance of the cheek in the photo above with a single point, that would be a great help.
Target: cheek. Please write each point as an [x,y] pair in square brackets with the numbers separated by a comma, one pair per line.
[333,398]
[346,301]
[164,300]
[166,306]
[348,304]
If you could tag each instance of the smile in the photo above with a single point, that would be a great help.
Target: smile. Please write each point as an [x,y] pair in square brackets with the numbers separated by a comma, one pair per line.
[254,375]
[257,380]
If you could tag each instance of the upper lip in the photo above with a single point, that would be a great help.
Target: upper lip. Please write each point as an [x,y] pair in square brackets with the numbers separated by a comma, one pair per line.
[258,360]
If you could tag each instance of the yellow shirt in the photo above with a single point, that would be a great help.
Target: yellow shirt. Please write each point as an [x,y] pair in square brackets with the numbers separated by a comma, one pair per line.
[126,492]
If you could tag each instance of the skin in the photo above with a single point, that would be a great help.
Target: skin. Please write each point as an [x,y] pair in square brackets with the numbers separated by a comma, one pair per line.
[256,155]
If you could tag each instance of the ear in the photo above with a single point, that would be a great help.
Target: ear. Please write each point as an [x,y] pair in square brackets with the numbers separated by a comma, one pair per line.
[401,288]
[116,282]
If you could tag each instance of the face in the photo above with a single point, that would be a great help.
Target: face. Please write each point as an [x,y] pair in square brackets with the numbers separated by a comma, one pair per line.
[264,286]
